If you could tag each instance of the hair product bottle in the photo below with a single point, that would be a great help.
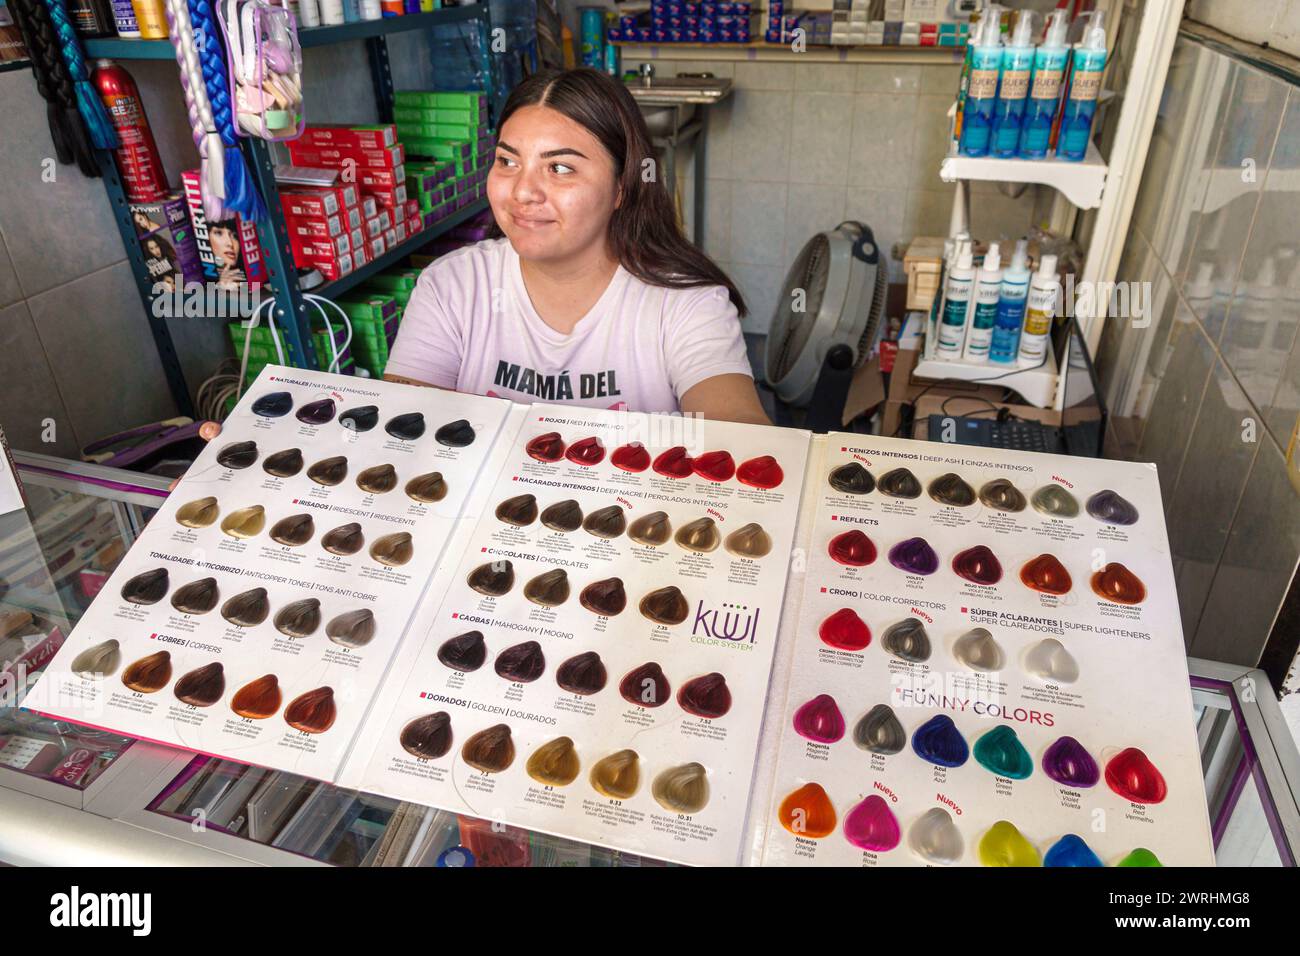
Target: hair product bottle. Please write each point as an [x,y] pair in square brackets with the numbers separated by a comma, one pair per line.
[1044,293]
[956,306]
[982,88]
[1011,307]
[1085,85]
[988,290]
[1045,89]
[1017,65]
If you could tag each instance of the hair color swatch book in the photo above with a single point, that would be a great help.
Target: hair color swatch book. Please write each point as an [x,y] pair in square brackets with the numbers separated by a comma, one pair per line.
[988,667]
[599,666]
[257,613]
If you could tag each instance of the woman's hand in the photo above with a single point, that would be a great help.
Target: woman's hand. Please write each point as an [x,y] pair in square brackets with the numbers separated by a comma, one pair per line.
[207,431]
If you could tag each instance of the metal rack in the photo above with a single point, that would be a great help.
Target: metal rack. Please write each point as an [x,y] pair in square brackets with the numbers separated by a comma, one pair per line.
[291,313]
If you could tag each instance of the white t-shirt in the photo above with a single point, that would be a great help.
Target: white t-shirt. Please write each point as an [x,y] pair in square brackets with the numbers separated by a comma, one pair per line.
[470,326]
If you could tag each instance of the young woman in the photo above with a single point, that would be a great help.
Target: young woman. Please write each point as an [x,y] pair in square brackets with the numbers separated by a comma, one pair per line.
[592,296]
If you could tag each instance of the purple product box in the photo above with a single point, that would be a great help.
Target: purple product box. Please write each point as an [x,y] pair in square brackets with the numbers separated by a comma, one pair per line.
[708,9]
[690,22]
[674,9]
[613,34]
[643,34]
[675,36]
[692,36]
[659,34]
[167,240]
[626,22]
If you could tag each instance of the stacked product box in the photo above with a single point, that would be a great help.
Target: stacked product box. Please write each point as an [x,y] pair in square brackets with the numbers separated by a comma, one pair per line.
[373,164]
[374,317]
[329,227]
[399,283]
[680,21]
[449,142]
[262,351]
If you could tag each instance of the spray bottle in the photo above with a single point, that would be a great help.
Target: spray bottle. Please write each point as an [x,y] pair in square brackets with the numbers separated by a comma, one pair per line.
[1017,64]
[988,290]
[956,305]
[1044,292]
[982,88]
[1045,91]
[1011,307]
[1085,85]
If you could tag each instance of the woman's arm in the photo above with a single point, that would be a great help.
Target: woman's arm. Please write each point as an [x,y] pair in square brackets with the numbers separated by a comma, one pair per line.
[402,379]
[727,398]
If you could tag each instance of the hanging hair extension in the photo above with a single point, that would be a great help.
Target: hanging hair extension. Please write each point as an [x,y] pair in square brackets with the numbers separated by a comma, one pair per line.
[67,131]
[241,192]
[212,180]
[90,105]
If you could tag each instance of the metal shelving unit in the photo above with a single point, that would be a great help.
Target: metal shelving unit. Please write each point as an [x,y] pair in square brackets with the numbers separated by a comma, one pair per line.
[291,312]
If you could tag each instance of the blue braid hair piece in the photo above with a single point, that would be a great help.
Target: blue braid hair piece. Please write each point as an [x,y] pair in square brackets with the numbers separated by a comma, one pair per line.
[89,104]
[241,192]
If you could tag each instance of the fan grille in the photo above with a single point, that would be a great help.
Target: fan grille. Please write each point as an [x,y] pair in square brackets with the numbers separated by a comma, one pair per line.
[809,275]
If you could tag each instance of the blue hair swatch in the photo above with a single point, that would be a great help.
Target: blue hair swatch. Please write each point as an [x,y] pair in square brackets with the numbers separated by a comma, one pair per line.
[241,192]
[89,104]
[940,742]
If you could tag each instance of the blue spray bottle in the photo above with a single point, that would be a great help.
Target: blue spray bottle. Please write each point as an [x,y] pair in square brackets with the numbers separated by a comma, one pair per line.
[1017,65]
[1085,85]
[1045,89]
[982,87]
[1011,307]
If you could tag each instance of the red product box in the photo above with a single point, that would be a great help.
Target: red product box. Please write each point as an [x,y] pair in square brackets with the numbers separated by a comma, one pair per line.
[390,237]
[398,213]
[360,256]
[312,228]
[374,227]
[357,137]
[368,207]
[377,247]
[352,218]
[357,237]
[314,249]
[381,178]
[387,158]
[310,204]
[412,209]
[389,197]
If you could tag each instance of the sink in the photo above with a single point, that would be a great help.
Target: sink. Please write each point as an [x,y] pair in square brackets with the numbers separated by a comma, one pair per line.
[663,120]
[675,90]
[670,102]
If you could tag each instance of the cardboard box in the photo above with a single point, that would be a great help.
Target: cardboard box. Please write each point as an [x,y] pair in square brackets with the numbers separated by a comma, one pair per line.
[309,227]
[357,137]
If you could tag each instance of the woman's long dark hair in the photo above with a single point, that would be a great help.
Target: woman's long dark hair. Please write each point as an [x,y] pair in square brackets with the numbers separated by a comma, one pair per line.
[643,232]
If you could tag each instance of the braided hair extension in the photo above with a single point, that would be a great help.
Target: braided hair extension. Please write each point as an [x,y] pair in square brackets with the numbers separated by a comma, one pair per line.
[91,106]
[67,131]
[212,180]
[241,192]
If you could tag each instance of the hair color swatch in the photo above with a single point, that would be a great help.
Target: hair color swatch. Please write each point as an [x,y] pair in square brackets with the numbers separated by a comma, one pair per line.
[428,736]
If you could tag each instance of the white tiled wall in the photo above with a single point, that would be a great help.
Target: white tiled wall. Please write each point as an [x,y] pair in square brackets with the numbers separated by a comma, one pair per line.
[1272,22]
[798,148]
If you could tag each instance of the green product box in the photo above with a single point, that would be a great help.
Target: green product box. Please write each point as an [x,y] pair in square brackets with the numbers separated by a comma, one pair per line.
[464,131]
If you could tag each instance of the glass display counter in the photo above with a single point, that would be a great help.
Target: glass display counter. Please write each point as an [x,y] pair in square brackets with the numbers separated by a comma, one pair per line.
[72,794]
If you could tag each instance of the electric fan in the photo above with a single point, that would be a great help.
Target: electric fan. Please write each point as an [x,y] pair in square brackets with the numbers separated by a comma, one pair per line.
[834,296]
